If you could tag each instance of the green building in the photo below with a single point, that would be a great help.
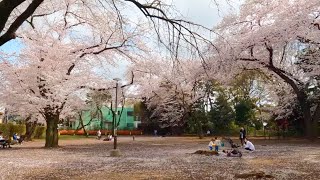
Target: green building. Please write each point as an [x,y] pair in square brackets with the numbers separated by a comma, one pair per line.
[127,120]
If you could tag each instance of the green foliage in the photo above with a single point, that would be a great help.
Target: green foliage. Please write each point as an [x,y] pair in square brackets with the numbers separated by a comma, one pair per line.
[244,112]
[257,124]
[140,110]
[197,121]
[39,132]
[221,114]
[9,129]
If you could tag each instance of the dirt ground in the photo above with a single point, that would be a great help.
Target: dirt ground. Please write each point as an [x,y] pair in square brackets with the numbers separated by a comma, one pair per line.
[157,158]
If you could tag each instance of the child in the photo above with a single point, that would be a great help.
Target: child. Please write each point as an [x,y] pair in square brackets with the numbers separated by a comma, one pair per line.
[211,145]
[217,143]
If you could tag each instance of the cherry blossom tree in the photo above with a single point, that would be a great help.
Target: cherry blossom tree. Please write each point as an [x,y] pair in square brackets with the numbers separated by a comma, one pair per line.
[59,58]
[155,13]
[30,116]
[41,78]
[273,37]
[170,90]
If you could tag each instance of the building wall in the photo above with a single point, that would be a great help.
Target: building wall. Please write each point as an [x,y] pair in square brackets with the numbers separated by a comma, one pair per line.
[126,120]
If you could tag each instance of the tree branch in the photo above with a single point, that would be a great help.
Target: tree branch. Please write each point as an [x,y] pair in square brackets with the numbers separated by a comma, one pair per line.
[6,7]
[10,34]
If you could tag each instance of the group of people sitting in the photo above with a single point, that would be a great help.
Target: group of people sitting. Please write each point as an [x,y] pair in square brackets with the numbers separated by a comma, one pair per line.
[108,138]
[7,142]
[214,144]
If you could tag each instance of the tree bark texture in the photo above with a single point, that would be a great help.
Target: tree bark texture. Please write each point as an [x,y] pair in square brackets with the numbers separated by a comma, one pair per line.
[52,130]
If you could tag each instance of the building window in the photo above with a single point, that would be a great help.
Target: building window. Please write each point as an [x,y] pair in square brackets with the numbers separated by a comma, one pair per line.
[129,113]
[130,125]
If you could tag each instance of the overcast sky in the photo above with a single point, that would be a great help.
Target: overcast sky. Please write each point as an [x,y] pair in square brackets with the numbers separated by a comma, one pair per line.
[205,12]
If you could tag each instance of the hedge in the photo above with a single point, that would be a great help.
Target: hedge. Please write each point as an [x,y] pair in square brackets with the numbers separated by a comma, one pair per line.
[39,132]
[9,129]
[105,132]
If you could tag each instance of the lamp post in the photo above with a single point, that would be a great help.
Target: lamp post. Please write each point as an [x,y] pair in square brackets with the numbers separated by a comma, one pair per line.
[115,151]
[264,129]
[115,115]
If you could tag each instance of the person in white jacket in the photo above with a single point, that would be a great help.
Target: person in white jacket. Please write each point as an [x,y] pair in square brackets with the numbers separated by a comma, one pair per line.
[248,145]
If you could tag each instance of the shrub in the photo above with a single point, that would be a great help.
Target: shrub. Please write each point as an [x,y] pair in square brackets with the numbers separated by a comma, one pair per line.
[39,132]
[9,129]
[19,129]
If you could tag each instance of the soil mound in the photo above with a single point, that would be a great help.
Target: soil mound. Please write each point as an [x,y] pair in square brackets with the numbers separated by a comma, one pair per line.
[253,174]
[207,153]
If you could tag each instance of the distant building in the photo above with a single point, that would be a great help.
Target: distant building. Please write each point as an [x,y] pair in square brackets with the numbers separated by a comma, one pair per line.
[127,120]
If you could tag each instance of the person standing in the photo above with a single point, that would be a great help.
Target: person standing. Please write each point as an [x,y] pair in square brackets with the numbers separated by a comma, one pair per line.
[217,143]
[211,145]
[99,135]
[244,133]
[241,137]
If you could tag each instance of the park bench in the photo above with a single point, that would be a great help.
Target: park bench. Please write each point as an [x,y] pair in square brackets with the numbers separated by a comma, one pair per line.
[8,143]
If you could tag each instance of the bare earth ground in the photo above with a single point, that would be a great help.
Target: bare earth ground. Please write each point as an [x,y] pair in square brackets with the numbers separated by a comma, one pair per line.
[157,158]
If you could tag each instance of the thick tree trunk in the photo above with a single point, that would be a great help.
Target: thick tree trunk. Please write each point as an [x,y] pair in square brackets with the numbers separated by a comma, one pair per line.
[52,130]
[310,121]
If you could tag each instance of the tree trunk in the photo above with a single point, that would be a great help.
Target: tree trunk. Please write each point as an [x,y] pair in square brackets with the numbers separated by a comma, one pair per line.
[101,118]
[199,129]
[309,122]
[83,127]
[316,120]
[52,130]
[30,127]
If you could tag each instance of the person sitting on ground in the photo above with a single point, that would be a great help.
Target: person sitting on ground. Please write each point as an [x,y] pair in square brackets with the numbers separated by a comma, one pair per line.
[99,134]
[1,138]
[248,145]
[16,138]
[109,137]
[211,145]
[217,143]
[233,153]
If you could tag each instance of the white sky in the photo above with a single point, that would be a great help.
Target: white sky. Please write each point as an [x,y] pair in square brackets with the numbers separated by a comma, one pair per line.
[205,12]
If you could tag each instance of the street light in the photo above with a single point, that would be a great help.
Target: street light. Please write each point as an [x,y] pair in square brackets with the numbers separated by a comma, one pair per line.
[264,129]
[115,151]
